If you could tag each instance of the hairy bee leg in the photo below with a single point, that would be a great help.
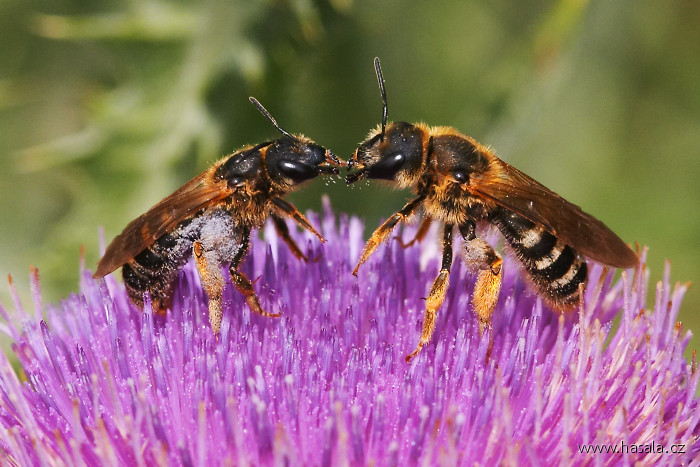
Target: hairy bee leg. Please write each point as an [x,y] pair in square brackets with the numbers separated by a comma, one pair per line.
[283,232]
[160,307]
[486,290]
[437,292]
[385,229]
[481,256]
[298,217]
[485,297]
[241,281]
[420,234]
[212,281]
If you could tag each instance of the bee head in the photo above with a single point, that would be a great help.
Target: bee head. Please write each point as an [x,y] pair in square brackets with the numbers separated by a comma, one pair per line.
[290,161]
[293,159]
[393,152]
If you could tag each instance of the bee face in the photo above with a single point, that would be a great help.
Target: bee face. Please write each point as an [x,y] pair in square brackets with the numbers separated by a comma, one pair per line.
[290,162]
[396,155]
[287,162]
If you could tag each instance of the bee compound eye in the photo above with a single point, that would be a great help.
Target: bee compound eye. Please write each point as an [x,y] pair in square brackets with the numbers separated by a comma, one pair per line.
[388,166]
[297,171]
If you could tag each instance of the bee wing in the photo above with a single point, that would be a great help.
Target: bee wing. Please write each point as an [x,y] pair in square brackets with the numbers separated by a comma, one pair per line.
[147,228]
[513,190]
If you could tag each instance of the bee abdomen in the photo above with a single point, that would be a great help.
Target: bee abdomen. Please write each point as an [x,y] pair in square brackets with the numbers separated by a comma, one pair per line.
[554,266]
[139,280]
[154,270]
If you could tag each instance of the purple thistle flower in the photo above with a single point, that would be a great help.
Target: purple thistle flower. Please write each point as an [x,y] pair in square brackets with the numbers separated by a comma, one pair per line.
[103,383]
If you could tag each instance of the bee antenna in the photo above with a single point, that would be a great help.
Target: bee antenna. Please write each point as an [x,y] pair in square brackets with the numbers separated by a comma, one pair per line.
[264,111]
[382,90]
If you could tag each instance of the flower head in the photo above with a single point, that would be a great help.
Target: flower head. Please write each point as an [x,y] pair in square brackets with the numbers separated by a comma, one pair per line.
[103,382]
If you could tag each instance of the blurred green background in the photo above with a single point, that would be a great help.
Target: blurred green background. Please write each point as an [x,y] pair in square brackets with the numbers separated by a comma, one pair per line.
[106,107]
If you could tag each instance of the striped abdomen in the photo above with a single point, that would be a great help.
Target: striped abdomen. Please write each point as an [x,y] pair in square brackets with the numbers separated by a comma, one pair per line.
[554,267]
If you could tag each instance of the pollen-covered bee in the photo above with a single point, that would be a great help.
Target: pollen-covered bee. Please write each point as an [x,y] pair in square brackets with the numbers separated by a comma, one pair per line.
[212,217]
[459,182]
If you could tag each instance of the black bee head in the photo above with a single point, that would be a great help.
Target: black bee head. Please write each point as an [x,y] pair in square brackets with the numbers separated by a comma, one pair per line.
[293,161]
[392,152]
[395,154]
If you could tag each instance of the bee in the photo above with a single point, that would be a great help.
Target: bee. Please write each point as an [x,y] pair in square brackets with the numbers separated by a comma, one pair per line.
[212,216]
[460,182]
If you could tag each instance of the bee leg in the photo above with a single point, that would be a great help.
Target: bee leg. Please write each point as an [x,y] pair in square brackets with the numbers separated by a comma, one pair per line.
[480,256]
[298,217]
[242,282]
[161,306]
[437,292]
[213,282]
[283,232]
[385,229]
[420,234]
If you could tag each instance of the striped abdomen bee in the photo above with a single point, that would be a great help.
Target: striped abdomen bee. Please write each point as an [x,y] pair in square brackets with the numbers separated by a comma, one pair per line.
[459,182]
[212,217]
